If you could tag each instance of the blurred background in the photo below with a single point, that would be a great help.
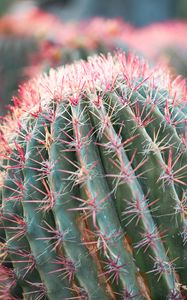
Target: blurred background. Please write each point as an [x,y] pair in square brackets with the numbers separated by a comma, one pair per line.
[137,12]
[38,34]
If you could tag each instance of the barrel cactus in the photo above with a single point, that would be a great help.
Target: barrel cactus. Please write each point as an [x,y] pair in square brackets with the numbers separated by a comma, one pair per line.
[94,177]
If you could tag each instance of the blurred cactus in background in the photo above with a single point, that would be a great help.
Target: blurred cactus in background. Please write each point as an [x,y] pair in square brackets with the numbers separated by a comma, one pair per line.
[78,40]
[15,55]
[182,9]
[56,43]
[164,43]
[139,13]
[20,37]
[15,52]
[4,6]
[177,59]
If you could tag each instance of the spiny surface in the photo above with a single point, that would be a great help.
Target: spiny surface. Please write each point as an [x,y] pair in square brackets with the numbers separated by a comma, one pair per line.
[94,167]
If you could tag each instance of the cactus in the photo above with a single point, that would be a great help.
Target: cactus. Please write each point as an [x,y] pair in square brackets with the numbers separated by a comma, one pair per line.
[15,54]
[163,42]
[176,58]
[4,6]
[72,41]
[94,184]
[17,46]
[40,41]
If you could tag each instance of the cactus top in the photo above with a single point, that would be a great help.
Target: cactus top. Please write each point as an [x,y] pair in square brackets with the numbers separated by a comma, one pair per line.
[93,78]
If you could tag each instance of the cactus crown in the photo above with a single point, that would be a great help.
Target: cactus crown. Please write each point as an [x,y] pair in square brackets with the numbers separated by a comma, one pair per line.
[94,189]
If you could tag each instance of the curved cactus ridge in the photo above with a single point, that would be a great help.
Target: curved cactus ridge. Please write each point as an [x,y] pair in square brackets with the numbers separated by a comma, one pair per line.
[94,183]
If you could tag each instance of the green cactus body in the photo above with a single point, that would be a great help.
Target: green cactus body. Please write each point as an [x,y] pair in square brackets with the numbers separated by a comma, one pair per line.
[94,192]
